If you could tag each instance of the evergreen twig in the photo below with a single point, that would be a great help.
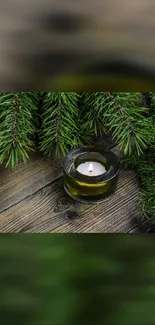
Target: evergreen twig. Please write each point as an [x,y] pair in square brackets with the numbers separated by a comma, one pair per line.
[59,130]
[122,113]
[17,111]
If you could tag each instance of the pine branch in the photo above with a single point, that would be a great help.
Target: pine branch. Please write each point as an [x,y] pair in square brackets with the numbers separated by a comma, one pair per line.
[146,171]
[59,130]
[16,127]
[91,115]
[39,103]
[145,168]
[123,114]
[130,128]
[69,120]
[59,118]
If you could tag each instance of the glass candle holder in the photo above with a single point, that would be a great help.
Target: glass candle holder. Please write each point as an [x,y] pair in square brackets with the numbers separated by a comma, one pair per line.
[90,174]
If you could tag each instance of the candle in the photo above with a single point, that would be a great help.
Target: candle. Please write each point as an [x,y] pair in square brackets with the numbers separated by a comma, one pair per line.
[91,168]
[90,174]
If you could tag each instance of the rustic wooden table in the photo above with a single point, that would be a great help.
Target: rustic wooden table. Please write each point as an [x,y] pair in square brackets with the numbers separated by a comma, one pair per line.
[32,199]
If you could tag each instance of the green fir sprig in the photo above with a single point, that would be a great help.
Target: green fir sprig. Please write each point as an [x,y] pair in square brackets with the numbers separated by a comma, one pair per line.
[17,127]
[123,115]
[60,118]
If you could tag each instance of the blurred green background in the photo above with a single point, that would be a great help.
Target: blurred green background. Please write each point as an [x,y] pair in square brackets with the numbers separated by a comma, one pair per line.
[77,279]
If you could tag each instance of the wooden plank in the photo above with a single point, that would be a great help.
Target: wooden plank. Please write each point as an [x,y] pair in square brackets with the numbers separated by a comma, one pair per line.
[25,180]
[116,215]
[50,210]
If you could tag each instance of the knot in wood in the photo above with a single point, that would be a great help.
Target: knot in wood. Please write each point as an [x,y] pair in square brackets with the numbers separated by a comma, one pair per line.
[71,215]
[63,204]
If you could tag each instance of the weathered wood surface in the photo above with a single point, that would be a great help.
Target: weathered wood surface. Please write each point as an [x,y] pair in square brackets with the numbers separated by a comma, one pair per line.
[32,199]
[21,182]
[17,184]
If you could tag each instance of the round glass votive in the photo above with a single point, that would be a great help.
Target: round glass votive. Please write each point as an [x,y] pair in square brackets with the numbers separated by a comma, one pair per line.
[90,174]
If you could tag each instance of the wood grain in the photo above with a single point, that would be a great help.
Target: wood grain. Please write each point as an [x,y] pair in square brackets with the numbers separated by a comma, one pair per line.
[23,181]
[32,199]
[50,210]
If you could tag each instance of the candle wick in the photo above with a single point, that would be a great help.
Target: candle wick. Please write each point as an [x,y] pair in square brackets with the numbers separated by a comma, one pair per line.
[91,168]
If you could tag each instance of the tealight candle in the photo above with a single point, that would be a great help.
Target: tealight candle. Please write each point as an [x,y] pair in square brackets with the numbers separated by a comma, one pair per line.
[90,174]
[91,168]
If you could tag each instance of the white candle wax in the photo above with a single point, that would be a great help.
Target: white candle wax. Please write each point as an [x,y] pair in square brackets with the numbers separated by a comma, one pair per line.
[91,168]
